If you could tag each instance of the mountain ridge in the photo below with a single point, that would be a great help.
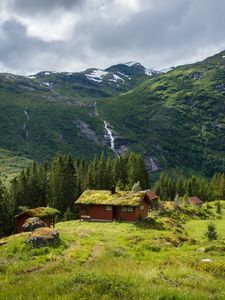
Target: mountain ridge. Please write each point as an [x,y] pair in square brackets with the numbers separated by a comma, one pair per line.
[175,118]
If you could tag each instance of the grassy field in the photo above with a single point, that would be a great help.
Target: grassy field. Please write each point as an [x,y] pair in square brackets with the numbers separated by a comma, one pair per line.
[161,259]
[11,165]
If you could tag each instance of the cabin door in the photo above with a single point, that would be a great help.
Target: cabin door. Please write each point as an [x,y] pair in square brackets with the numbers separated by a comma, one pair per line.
[115,212]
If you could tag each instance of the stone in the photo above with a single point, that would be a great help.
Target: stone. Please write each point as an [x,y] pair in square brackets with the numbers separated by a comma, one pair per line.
[33,223]
[43,237]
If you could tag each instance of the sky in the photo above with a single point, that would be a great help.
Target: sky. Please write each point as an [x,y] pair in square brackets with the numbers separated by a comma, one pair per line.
[73,35]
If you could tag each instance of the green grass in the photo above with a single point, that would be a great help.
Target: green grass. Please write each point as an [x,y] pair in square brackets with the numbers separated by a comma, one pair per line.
[117,261]
[11,165]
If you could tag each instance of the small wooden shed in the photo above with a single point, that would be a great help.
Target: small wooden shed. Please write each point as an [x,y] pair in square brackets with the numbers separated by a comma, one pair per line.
[195,201]
[46,214]
[104,205]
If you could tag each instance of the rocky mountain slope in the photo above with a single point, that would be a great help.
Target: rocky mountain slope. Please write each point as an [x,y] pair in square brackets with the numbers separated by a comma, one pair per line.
[176,118]
[49,112]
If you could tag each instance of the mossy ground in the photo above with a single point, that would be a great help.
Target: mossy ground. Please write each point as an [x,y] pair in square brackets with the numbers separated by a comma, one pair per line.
[118,261]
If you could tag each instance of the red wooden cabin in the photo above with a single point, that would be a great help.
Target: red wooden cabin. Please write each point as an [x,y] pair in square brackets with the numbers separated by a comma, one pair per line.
[101,205]
[195,201]
[46,214]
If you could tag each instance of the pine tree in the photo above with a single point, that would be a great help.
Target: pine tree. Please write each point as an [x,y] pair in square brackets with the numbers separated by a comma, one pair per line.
[218,207]
[211,233]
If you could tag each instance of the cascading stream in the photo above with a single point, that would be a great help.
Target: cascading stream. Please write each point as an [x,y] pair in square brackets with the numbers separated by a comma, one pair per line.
[24,124]
[111,137]
[108,129]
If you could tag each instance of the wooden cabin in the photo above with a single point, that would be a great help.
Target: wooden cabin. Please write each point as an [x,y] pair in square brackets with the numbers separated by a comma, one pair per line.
[195,201]
[46,214]
[104,205]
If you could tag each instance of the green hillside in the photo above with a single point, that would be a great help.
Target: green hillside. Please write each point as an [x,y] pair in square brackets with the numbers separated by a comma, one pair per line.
[11,165]
[168,257]
[49,112]
[177,117]
[51,125]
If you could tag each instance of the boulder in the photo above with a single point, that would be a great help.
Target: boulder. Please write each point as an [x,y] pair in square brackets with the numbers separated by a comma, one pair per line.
[42,237]
[33,223]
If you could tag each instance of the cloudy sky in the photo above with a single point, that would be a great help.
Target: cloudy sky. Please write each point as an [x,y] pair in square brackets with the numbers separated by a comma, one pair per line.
[72,35]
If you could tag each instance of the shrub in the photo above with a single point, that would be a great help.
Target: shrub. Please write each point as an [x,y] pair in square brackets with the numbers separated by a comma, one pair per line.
[211,233]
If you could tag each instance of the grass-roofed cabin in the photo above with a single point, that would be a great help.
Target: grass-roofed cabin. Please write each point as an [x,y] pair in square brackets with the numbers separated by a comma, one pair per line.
[102,205]
[46,214]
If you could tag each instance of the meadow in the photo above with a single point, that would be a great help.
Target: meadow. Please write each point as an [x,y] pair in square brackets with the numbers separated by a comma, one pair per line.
[163,259]
[11,165]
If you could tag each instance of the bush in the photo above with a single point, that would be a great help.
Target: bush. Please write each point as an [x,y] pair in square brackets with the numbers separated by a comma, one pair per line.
[211,233]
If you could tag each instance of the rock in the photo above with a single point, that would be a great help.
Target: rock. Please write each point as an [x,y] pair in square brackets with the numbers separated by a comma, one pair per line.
[196,75]
[33,223]
[43,237]
[207,260]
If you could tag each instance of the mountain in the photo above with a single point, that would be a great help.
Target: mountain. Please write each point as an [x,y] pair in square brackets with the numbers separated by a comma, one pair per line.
[94,83]
[175,117]
[49,112]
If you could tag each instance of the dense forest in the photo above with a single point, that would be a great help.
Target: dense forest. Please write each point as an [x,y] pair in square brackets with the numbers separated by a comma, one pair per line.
[62,182]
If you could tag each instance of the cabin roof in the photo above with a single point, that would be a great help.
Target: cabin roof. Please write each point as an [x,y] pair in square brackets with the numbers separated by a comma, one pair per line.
[104,197]
[195,200]
[40,212]
[151,195]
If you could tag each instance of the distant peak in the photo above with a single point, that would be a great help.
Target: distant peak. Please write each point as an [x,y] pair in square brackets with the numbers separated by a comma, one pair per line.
[131,63]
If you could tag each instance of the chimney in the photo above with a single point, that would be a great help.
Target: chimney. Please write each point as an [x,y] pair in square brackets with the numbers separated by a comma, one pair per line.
[113,190]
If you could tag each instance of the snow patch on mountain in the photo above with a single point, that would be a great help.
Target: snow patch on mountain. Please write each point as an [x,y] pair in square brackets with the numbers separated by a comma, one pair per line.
[49,84]
[131,63]
[124,75]
[149,72]
[116,78]
[96,75]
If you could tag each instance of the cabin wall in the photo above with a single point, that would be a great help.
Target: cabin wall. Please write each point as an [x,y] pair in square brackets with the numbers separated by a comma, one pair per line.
[130,216]
[144,212]
[48,221]
[99,212]
[19,223]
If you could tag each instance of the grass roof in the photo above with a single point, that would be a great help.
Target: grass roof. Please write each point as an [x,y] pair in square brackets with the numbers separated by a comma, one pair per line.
[102,197]
[40,212]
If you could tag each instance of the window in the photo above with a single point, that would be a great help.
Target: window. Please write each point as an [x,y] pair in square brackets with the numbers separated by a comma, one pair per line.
[108,207]
[127,208]
[142,207]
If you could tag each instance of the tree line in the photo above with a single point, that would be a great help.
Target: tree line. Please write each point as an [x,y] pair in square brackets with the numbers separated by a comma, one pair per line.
[62,182]
[168,188]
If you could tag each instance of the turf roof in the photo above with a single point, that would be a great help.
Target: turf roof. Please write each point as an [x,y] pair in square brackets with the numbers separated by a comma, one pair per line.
[103,197]
[40,212]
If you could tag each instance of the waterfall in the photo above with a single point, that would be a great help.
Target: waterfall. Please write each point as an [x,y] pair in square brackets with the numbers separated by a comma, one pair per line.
[111,137]
[95,109]
[26,114]
[24,127]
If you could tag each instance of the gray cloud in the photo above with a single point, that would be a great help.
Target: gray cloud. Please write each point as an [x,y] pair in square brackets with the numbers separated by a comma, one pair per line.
[74,35]
[41,6]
